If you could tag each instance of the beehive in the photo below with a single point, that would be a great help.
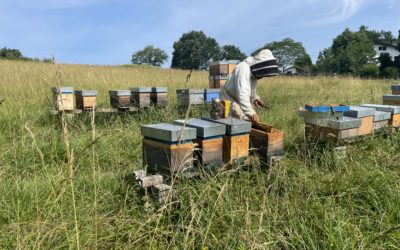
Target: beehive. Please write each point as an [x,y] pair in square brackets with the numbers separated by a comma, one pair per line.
[63,98]
[167,149]
[217,81]
[86,99]
[367,119]
[209,140]
[223,68]
[394,110]
[381,120]
[266,140]
[140,97]
[190,96]
[236,140]
[210,94]
[159,96]
[391,100]
[396,89]
[120,99]
[315,132]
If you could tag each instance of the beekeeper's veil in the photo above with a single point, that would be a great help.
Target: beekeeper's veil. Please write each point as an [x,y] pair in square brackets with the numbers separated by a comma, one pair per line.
[264,64]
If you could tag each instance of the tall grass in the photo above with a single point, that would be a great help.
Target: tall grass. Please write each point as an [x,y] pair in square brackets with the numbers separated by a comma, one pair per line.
[307,201]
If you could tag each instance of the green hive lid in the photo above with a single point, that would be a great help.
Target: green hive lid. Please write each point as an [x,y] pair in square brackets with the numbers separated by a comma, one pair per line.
[141,90]
[168,132]
[119,93]
[86,92]
[205,129]
[63,90]
[159,89]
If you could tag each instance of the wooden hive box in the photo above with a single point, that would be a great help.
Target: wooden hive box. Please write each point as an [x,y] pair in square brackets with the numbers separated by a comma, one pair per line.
[267,140]
[367,119]
[86,99]
[223,68]
[236,140]
[381,120]
[209,140]
[120,99]
[167,149]
[391,100]
[394,110]
[190,96]
[315,132]
[140,97]
[211,94]
[63,98]
[217,81]
[396,89]
[159,96]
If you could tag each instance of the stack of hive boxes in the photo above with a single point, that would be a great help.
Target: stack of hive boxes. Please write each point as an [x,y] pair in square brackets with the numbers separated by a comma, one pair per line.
[394,98]
[219,72]
[393,110]
[327,123]
[63,98]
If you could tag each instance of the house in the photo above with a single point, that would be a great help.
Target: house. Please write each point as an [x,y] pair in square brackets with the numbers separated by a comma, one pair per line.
[293,70]
[385,48]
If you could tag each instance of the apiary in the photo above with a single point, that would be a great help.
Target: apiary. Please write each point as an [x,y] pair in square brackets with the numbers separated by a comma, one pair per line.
[86,99]
[223,68]
[186,97]
[209,140]
[266,140]
[120,99]
[63,98]
[140,97]
[217,81]
[394,110]
[167,148]
[391,100]
[159,96]
[367,119]
[211,94]
[396,89]
[236,139]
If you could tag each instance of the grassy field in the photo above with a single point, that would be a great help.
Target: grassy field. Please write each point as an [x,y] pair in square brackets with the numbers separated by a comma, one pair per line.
[74,191]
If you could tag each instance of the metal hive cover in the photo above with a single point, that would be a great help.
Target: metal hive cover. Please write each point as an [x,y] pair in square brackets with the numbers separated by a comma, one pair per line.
[119,92]
[387,108]
[63,90]
[343,123]
[225,62]
[141,90]
[212,91]
[396,87]
[205,129]
[159,89]
[168,132]
[86,92]
[233,126]
[382,116]
[190,91]
[359,112]
[389,97]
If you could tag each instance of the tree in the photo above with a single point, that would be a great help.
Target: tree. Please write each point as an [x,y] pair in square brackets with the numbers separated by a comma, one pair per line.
[398,41]
[369,71]
[379,36]
[194,50]
[385,61]
[287,52]
[10,53]
[150,55]
[231,52]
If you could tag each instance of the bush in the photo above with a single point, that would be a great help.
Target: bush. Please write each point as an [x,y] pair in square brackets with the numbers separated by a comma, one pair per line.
[390,72]
[369,71]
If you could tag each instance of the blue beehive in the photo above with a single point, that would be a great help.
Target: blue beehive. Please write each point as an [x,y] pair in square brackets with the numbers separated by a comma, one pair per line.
[211,94]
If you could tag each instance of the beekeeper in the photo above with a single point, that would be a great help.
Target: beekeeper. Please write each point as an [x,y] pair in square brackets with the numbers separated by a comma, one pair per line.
[240,87]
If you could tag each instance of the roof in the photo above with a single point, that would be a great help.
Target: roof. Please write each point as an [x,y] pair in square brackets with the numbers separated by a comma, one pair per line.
[386,44]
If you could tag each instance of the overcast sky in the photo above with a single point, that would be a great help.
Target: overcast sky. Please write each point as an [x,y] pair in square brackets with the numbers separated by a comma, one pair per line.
[109,31]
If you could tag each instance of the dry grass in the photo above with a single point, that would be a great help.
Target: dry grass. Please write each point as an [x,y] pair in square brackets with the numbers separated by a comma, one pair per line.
[304,202]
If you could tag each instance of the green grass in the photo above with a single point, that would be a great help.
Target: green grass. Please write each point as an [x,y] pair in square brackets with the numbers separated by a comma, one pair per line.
[311,201]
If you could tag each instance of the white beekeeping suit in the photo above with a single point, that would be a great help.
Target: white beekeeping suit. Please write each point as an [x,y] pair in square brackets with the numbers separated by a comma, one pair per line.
[240,87]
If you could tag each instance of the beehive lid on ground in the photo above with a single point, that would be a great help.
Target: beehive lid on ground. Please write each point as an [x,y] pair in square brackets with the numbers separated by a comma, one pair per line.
[141,90]
[382,116]
[205,129]
[119,92]
[159,89]
[359,112]
[86,92]
[387,108]
[233,126]
[63,90]
[168,132]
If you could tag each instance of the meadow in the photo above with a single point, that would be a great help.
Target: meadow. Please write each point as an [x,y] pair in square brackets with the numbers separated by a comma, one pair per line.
[70,187]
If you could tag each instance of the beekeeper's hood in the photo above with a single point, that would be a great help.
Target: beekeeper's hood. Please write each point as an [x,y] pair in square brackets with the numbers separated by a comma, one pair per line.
[264,64]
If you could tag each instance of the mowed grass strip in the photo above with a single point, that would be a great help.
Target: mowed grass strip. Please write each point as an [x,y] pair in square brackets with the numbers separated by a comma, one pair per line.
[310,200]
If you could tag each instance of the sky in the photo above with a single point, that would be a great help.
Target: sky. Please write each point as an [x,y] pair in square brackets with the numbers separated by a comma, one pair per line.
[108,32]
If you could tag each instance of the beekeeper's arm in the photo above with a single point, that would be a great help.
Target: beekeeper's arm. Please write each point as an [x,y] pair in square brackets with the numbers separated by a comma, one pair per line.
[255,99]
[244,92]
